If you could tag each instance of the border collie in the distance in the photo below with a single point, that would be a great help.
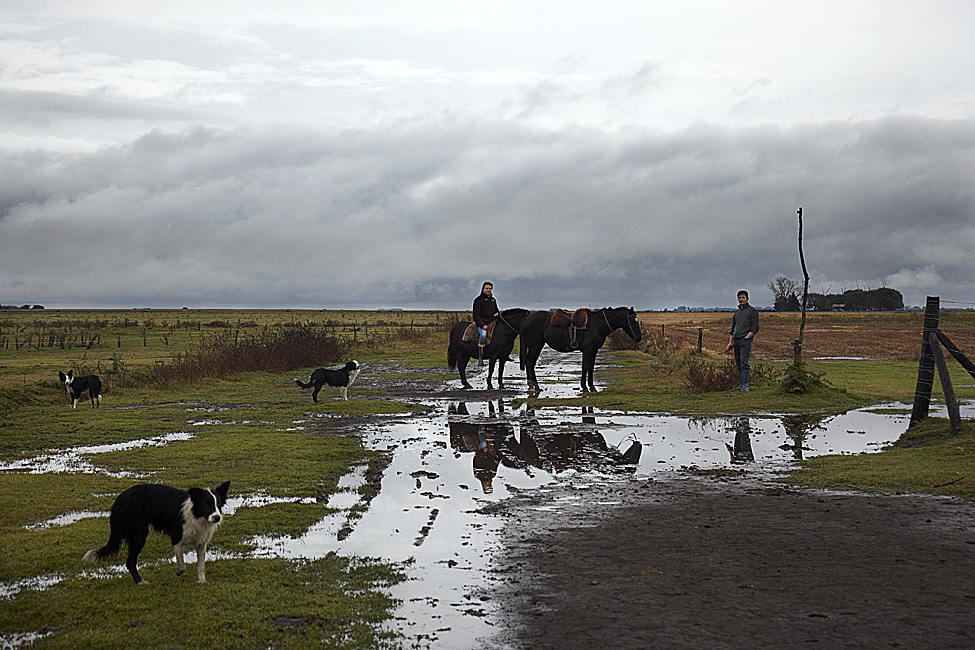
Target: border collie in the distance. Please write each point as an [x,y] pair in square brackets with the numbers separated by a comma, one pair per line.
[75,386]
[341,379]
[189,517]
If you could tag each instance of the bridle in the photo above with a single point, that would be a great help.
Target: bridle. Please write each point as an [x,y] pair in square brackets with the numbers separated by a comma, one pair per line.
[629,327]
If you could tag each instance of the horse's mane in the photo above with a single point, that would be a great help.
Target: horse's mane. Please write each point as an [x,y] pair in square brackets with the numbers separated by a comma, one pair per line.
[514,310]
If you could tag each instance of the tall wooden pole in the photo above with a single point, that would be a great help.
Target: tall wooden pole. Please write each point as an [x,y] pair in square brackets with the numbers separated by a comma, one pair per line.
[797,346]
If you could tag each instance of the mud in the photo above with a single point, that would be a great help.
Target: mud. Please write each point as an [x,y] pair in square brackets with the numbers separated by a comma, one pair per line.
[733,563]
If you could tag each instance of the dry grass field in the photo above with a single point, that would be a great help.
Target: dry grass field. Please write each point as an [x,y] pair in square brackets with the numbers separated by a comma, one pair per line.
[862,335]
[35,344]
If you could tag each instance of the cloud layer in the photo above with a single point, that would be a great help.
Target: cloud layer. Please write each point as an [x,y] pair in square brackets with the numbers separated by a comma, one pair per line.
[247,164]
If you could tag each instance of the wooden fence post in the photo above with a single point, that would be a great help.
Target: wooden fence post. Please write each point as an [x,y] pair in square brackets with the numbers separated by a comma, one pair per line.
[955,352]
[954,416]
[925,366]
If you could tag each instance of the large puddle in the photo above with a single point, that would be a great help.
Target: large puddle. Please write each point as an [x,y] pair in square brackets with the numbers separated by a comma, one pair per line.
[465,454]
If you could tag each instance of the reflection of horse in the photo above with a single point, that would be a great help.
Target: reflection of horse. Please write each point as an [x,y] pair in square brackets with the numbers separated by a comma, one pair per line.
[459,351]
[537,330]
[568,446]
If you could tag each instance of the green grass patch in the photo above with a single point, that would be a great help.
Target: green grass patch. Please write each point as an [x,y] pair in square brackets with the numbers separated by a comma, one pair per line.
[332,602]
[255,429]
[925,460]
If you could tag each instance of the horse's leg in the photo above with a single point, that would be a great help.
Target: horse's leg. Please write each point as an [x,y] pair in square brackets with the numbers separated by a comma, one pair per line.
[588,369]
[462,369]
[490,372]
[531,357]
[584,376]
[501,372]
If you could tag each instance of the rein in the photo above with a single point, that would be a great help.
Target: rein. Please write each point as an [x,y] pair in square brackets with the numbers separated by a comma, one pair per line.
[501,318]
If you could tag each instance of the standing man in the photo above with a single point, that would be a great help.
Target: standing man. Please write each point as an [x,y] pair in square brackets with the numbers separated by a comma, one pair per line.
[744,327]
[484,312]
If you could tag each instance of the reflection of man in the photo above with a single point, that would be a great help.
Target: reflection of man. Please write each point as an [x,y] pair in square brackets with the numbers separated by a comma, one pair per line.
[485,462]
[742,451]
[744,327]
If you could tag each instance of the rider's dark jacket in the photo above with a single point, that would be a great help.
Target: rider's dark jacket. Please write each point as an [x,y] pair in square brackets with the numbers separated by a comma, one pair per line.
[485,307]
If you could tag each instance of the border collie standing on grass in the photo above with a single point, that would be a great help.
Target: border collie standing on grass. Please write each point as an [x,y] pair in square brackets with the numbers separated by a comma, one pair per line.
[341,379]
[189,517]
[75,386]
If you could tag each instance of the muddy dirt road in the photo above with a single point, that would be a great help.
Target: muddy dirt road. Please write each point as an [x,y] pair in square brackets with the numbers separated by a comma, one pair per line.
[733,563]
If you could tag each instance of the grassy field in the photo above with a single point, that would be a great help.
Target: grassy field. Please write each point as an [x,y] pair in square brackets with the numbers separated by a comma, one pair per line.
[865,358]
[340,602]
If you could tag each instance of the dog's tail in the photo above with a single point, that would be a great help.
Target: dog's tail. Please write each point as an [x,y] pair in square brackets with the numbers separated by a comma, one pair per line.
[95,554]
[451,358]
[302,384]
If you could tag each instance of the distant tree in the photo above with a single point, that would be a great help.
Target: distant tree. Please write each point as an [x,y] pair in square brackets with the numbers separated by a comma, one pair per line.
[786,294]
[884,299]
[821,302]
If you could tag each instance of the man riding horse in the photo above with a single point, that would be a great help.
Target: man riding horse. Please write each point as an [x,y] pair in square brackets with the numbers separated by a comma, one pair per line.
[485,310]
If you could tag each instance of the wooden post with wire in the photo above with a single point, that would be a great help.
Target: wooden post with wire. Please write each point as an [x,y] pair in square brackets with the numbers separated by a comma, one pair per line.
[925,366]
[933,358]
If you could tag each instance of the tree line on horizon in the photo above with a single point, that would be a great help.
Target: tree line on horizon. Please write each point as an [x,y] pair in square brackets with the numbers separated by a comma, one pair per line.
[788,298]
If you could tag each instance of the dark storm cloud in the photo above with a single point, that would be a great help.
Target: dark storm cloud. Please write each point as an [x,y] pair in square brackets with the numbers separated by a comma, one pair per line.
[419,214]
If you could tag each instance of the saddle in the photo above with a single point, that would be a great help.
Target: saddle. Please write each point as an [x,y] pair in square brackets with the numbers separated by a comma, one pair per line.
[471,336]
[573,322]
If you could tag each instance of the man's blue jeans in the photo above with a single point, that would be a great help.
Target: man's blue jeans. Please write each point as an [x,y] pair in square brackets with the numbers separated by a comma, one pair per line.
[743,350]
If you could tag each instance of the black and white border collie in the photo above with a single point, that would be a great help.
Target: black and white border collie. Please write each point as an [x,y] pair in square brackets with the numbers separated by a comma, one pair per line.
[189,517]
[75,386]
[341,379]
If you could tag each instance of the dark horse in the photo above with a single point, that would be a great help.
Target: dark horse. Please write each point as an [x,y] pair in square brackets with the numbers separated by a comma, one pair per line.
[459,352]
[537,330]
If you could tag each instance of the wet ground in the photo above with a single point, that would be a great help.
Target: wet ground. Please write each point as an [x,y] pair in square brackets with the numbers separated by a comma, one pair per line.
[553,527]
[562,527]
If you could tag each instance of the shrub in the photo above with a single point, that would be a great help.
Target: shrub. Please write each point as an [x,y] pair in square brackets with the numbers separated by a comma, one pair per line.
[276,351]
[799,379]
[710,376]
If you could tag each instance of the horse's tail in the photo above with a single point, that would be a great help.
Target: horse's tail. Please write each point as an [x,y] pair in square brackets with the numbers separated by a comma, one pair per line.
[451,358]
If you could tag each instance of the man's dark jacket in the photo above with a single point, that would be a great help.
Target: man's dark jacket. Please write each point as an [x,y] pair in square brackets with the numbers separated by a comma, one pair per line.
[485,307]
[744,321]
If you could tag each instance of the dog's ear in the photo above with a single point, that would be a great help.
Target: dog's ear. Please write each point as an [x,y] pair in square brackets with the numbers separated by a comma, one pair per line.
[222,489]
[70,374]
[194,491]
[62,376]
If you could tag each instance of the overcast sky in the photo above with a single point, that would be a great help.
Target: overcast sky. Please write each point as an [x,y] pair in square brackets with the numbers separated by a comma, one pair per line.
[396,154]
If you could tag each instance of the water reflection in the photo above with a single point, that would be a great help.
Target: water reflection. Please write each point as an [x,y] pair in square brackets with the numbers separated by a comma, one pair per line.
[567,445]
[800,427]
[741,451]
